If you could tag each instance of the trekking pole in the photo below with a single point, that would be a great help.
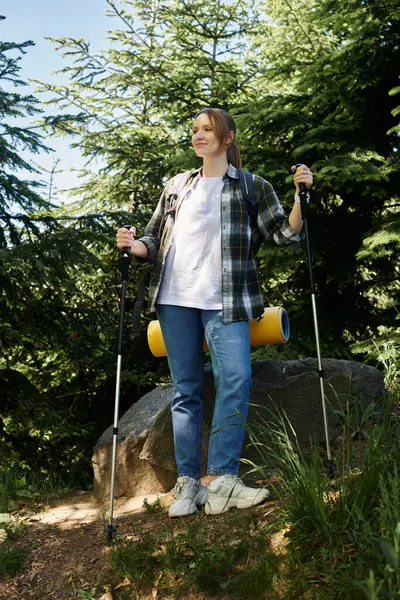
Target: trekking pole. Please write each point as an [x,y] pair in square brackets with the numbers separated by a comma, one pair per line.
[125,266]
[304,213]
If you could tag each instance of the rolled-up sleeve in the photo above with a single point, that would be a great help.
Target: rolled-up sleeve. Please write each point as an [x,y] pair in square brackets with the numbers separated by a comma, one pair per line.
[272,221]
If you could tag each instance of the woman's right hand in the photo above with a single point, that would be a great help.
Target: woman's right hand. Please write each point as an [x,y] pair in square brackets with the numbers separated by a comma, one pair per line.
[126,237]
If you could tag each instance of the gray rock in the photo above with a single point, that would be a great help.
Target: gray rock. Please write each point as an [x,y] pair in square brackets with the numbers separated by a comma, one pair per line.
[158,448]
[293,387]
[134,476]
[141,416]
[145,454]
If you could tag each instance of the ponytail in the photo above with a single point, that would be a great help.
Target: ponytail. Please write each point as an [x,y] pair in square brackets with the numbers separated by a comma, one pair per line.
[233,155]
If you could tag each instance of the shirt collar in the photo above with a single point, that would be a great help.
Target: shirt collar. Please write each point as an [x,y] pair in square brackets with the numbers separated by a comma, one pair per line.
[232,172]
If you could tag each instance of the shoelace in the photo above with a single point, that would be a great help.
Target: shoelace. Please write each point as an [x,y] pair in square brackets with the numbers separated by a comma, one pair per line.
[237,482]
[182,488]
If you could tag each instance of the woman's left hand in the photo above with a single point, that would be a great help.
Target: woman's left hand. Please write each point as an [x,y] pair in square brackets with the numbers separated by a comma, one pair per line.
[302,174]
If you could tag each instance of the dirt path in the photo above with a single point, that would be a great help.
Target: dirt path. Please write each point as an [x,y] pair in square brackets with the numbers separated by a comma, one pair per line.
[68,546]
[69,550]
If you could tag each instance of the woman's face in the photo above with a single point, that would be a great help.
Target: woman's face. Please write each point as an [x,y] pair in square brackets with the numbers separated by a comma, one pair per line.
[204,140]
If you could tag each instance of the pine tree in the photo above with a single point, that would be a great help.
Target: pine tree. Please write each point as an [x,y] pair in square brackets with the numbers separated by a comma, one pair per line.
[166,61]
[17,196]
[335,114]
[55,340]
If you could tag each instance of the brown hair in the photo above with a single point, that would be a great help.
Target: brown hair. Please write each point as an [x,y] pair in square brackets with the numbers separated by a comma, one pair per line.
[223,123]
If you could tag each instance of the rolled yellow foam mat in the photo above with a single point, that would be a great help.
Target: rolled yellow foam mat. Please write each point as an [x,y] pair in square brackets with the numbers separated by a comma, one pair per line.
[272,328]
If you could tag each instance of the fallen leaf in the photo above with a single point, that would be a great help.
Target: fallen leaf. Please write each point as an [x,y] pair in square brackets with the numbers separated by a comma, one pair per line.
[240,567]
[180,532]
[124,583]
[154,591]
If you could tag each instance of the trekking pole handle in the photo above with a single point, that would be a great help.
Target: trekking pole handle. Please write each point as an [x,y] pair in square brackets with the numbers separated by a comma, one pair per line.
[303,196]
[127,250]
[126,255]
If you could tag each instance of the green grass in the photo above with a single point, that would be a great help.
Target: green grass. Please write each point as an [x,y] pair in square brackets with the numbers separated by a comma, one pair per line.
[12,559]
[18,486]
[13,487]
[13,529]
[230,556]
[154,507]
[87,595]
[343,533]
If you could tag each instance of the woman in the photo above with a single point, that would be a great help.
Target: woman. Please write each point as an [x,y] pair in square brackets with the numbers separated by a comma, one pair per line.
[204,282]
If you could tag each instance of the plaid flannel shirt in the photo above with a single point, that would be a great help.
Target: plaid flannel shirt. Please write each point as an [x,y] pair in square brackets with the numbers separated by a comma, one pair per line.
[242,296]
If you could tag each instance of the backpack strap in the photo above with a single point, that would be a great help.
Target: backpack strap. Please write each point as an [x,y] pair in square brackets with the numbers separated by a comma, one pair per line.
[246,184]
[179,182]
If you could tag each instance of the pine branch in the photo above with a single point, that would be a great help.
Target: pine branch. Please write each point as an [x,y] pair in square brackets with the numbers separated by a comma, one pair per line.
[293,13]
[119,13]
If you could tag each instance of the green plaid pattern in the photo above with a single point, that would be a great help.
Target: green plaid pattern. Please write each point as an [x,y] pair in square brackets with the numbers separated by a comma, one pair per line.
[242,296]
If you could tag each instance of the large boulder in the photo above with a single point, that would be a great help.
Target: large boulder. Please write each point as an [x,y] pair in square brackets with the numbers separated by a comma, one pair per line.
[145,452]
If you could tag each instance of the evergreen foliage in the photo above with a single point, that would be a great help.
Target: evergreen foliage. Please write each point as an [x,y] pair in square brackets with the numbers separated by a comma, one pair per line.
[165,62]
[58,328]
[336,115]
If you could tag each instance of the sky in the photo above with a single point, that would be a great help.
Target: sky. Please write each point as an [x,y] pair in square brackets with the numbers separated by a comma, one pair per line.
[34,20]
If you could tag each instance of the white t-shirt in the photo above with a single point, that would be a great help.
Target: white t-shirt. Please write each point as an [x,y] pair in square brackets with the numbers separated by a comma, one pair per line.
[192,271]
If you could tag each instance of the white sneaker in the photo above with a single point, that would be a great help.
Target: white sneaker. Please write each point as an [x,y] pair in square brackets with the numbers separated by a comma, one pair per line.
[228,491]
[189,494]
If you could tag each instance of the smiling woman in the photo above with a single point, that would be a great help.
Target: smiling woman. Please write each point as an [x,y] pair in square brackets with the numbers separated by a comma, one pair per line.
[215,130]
[204,283]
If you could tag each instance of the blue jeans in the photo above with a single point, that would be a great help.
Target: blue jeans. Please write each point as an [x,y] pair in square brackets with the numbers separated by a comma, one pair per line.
[183,331]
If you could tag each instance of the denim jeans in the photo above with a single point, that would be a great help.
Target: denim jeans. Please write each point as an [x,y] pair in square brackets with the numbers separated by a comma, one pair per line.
[183,331]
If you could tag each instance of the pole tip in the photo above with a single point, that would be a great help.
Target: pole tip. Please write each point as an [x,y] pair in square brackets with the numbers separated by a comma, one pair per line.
[331,468]
[110,530]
